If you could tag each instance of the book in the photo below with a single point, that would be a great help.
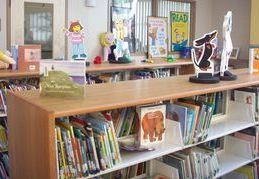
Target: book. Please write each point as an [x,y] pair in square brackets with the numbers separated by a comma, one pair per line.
[152,125]
[29,57]
[178,113]
[254,59]
[246,97]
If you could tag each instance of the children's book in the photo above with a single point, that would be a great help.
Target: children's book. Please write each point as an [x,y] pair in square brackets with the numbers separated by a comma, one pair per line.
[152,125]
[29,57]
[254,60]
[177,113]
[246,97]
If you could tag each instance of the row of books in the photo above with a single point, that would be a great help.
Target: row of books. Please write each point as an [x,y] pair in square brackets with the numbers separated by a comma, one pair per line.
[15,85]
[194,116]
[4,165]
[250,171]
[104,78]
[125,121]
[195,163]
[137,170]
[248,95]
[152,73]
[86,145]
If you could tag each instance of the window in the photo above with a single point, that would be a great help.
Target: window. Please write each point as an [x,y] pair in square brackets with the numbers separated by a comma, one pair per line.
[137,12]
[38,26]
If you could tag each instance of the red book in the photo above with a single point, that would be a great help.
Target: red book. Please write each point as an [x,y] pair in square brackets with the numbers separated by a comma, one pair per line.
[29,57]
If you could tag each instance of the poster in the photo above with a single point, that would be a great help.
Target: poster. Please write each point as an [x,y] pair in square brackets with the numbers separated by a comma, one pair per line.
[179,30]
[157,37]
[123,27]
[254,59]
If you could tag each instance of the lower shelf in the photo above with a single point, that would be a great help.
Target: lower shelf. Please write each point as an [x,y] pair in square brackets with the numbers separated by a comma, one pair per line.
[219,128]
[229,163]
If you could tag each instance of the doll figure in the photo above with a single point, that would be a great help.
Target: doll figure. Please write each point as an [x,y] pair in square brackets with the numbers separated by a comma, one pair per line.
[107,41]
[76,35]
[227,45]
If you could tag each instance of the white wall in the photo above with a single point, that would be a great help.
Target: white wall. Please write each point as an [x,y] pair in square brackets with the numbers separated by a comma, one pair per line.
[94,20]
[3,24]
[210,16]
[241,22]
[203,17]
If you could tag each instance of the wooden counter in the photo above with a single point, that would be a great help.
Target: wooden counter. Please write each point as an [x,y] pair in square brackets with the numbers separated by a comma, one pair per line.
[131,93]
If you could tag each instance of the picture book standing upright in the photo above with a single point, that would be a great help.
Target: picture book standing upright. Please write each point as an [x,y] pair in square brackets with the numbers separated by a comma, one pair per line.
[151,125]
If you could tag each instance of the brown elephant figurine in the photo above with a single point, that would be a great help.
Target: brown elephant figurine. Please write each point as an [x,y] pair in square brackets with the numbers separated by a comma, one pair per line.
[153,126]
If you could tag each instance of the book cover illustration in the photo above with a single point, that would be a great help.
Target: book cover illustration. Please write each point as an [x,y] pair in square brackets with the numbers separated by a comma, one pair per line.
[157,37]
[254,60]
[29,57]
[62,78]
[152,125]
[179,30]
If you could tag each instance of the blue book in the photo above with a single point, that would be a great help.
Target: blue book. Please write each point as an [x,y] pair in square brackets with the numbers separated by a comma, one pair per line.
[178,113]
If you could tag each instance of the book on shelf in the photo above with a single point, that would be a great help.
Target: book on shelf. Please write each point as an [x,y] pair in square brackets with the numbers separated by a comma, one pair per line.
[86,145]
[254,59]
[252,136]
[194,115]
[249,171]
[151,119]
[197,162]
[248,96]
[29,57]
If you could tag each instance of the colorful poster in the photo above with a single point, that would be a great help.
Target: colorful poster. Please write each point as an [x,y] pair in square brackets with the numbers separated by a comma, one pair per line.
[180,30]
[123,27]
[254,59]
[157,37]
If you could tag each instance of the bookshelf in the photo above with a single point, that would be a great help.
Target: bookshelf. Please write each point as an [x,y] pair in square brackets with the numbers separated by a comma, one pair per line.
[135,65]
[31,120]
[18,74]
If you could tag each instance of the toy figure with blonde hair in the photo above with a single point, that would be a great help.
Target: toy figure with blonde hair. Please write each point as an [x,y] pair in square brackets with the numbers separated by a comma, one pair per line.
[76,35]
[107,40]
[6,59]
[112,51]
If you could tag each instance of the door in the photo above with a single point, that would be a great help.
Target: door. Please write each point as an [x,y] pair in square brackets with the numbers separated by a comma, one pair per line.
[39,22]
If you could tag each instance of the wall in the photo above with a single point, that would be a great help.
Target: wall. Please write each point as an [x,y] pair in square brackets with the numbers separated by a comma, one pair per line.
[241,22]
[3,24]
[203,17]
[254,38]
[94,20]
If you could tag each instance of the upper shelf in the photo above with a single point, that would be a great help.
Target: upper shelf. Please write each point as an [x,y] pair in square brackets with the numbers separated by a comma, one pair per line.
[131,93]
[136,65]
[17,74]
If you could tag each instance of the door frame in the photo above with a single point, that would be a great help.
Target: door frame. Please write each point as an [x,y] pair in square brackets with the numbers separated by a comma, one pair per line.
[16,29]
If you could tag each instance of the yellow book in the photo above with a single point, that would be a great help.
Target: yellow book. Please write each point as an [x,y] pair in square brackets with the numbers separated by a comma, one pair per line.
[66,172]
[247,170]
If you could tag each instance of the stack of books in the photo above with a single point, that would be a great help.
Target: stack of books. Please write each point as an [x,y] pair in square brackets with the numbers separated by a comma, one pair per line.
[194,116]
[197,162]
[86,145]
